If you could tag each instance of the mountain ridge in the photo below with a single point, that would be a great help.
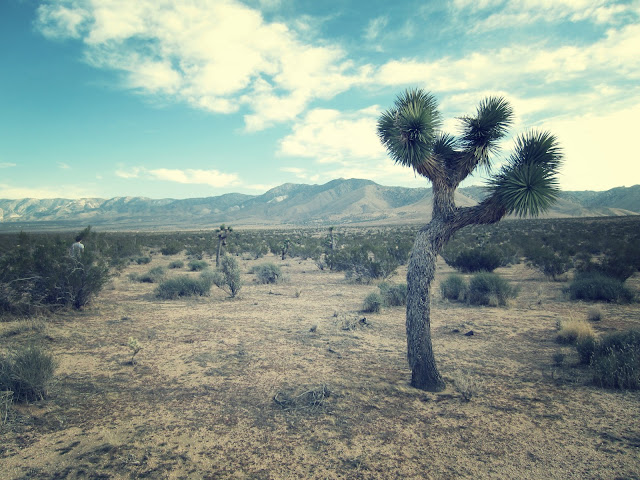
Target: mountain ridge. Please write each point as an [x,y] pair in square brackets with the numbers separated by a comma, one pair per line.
[340,201]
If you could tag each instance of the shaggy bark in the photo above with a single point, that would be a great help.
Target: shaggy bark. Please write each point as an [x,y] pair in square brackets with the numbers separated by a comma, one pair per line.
[447,219]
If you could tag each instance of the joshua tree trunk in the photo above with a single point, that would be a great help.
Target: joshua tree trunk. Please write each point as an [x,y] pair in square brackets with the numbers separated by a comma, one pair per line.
[421,270]
[219,250]
[420,275]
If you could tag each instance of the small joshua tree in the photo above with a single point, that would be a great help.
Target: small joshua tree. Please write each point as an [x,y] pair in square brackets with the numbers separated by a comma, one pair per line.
[135,347]
[525,185]
[223,231]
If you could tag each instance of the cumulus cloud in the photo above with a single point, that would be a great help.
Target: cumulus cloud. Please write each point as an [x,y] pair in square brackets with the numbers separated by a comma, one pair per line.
[219,56]
[596,149]
[598,72]
[213,178]
[330,136]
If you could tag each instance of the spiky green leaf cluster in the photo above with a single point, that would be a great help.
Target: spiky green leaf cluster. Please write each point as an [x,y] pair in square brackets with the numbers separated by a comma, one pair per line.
[527,184]
[481,134]
[408,130]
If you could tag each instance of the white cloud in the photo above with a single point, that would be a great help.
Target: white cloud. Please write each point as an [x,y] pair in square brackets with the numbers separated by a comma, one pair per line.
[64,166]
[219,56]
[213,178]
[375,27]
[60,191]
[599,150]
[332,136]
[7,164]
[601,73]
[513,13]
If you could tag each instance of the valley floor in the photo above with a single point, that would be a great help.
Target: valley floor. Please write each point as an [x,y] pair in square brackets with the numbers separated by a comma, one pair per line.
[287,381]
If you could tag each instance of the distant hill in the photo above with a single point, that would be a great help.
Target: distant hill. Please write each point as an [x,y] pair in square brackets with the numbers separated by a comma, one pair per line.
[338,202]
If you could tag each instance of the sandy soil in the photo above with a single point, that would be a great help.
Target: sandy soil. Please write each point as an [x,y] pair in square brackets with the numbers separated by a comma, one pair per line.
[287,381]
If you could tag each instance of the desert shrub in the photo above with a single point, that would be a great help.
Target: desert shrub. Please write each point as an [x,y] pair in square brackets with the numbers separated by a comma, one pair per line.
[550,263]
[182,286]
[594,314]
[41,275]
[574,330]
[197,265]
[465,385]
[594,286]
[393,295]
[176,264]
[372,303]
[27,372]
[491,289]
[454,288]
[363,263]
[155,275]
[143,260]
[616,265]
[267,273]
[171,248]
[615,361]
[228,278]
[585,346]
[479,259]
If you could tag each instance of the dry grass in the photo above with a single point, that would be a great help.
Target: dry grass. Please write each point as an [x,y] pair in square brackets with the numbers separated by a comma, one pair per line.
[272,385]
[574,330]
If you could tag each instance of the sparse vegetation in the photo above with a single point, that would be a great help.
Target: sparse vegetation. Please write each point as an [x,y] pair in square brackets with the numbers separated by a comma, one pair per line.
[27,372]
[573,330]
[182,286]
[268,273]
[197,265]
[596,287]
[372,303]
[394,295]
[228,278]
[454,288]
[615,360]
[490,289]
[176,264]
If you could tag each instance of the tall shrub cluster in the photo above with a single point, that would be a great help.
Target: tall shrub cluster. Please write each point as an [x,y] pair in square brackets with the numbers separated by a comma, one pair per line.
[42,275]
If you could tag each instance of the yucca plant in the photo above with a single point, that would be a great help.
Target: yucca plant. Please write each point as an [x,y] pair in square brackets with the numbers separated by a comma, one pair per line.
[525,185]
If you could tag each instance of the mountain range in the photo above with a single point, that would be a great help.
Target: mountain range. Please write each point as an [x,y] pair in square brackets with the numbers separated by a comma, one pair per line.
[338,202]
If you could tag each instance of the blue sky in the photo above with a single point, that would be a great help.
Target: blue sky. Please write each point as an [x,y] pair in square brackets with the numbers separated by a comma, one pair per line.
[193,98]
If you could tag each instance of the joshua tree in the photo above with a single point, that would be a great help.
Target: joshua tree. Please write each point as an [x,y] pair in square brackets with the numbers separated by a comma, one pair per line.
[525,185]
[223,231]
[332,240]
[285,248]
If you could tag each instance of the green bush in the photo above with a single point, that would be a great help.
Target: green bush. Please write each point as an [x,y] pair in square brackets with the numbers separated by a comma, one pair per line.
[155,275]
[594,286]
[41,275]
[478,259]
[372,303]
[172,248]
[27,372]
[268,273]
[228,278]
[454,288]
[550,263]
[197,265]
[393,295]
[489,289]
[143,260]
[182,286]
[615,361]
[176,264]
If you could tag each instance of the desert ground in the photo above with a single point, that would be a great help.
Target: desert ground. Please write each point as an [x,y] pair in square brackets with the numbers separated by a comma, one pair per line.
[292,381]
